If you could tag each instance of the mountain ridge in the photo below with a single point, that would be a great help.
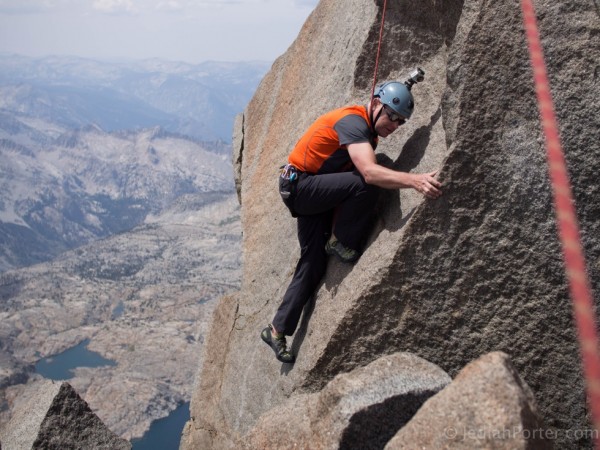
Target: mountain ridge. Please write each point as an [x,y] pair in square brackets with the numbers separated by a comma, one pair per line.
[127,225]
[90,183]
[198,100]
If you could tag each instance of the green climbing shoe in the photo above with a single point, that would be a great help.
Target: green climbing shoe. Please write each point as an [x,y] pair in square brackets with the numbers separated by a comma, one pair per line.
[345,254]
[278,344]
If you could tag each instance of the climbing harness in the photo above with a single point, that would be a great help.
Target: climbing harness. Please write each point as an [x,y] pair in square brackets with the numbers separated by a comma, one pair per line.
[579,285]
[288,180]
[289,172]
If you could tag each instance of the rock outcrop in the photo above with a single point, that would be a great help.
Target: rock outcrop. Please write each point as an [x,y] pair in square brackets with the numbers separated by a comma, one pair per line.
[486,406]
[360,409]
[475,271]
[54,416]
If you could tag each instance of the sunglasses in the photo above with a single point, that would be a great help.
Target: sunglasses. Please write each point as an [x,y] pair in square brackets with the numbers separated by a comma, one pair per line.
[393,115]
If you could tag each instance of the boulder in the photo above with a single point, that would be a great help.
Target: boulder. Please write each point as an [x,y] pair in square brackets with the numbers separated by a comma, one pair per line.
[360,409]
[54,416]
[487,405]
[479,269]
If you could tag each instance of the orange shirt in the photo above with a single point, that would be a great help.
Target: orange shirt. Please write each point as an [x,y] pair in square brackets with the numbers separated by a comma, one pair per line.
[324,146]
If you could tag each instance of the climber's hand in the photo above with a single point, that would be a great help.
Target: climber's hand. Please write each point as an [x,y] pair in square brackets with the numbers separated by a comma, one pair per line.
[426,184]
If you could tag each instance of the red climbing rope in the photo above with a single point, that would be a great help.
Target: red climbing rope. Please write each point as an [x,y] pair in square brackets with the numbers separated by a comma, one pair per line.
[378,50]
[583,306]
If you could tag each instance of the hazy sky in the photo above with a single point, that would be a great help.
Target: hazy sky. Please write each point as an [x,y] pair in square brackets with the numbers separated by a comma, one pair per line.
[179,30]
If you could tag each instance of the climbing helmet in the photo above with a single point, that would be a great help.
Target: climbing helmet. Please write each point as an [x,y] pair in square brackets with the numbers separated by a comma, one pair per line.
[397,96]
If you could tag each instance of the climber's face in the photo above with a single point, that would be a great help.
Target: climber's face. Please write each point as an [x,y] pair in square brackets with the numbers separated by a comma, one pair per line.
[388,120]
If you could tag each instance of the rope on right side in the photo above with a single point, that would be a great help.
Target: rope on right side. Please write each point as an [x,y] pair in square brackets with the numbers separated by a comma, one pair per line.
[579,285]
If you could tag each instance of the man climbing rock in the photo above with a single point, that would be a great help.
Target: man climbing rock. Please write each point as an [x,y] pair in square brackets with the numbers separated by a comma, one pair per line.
[331,184]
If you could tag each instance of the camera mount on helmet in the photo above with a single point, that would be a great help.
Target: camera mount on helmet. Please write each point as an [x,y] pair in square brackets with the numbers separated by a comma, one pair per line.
[397,94]
[416,76]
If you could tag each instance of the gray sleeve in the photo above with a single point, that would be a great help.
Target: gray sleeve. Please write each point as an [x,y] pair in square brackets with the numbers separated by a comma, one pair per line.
[352,129]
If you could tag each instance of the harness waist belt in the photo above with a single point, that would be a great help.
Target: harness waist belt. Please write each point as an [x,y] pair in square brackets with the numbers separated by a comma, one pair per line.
[289,172]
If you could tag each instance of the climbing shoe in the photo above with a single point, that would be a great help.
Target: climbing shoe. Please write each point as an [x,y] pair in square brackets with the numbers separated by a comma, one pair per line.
[278,344]
[345,254]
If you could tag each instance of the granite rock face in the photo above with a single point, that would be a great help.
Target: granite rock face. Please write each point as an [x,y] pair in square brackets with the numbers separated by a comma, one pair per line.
[475,271]
[486,406]
[54,416]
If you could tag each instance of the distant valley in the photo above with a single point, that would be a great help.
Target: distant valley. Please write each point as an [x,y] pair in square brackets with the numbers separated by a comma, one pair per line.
[89,148]
[162,277]
[119,223]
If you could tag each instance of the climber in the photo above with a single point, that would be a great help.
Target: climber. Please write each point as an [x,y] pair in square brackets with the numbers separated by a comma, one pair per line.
[331,184]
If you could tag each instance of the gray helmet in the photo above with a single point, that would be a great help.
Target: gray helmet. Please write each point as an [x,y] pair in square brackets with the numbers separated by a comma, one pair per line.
[397,96]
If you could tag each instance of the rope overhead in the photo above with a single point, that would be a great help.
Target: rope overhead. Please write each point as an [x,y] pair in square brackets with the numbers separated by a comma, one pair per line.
[378,50]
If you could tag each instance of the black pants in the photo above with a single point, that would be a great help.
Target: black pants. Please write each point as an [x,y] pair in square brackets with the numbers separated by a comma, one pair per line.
[343,200]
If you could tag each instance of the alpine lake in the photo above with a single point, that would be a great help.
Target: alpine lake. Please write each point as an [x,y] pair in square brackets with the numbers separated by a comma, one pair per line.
[164,434]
